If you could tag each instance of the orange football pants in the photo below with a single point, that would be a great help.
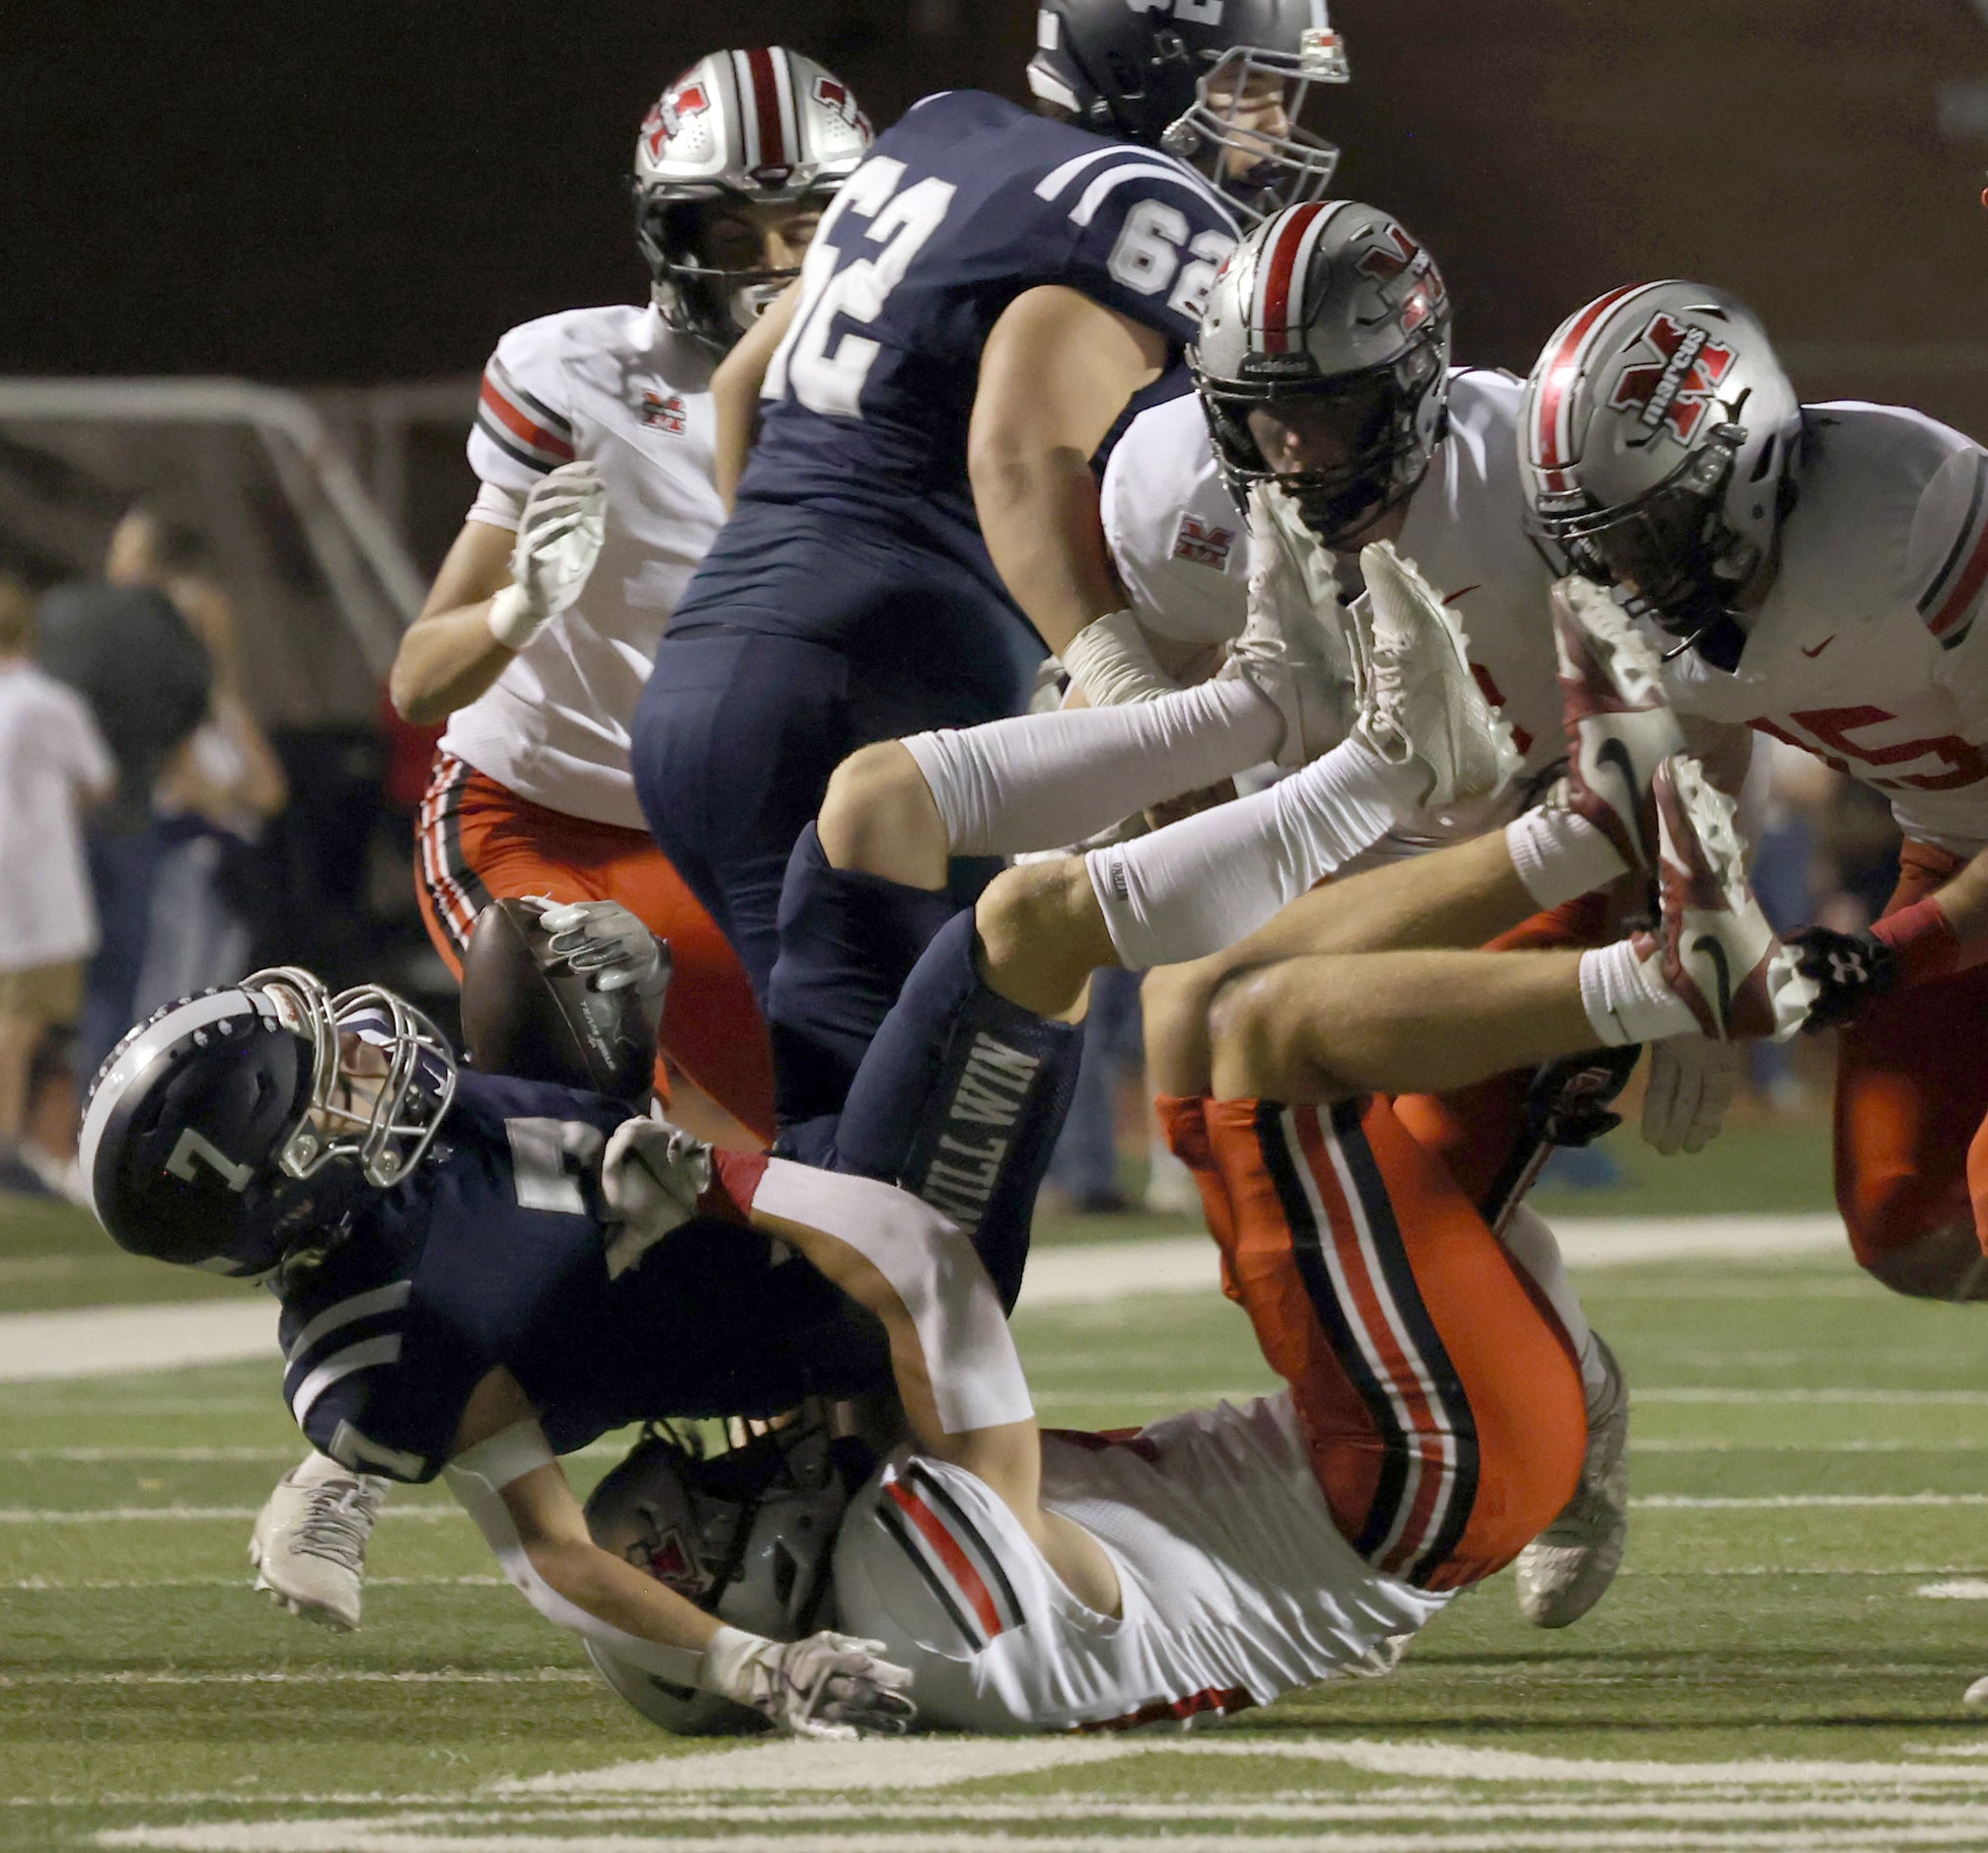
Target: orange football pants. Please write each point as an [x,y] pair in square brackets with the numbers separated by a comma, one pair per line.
[1473,1130]
[1440,1399]
[1912,1097]
[478,842]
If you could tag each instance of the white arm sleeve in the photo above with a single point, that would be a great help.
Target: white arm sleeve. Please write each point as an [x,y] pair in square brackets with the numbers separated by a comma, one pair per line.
[478,1477]
[970,1355]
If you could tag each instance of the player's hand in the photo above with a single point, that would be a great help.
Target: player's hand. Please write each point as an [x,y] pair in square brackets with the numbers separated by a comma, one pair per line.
[829,1685]
[1849,973]
[607,943]
[1692,1081]
[652,1175]
[560,537]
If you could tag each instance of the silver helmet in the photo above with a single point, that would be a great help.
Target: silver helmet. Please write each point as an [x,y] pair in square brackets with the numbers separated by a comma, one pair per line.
[1655,440]
[760,126]
[1333,320]
[746,1535]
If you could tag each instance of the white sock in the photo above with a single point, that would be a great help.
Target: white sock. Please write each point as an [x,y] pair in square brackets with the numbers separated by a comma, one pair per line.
[1042,780]
[1207,881]
[1560,856]
[1531,1243]
[1626,999]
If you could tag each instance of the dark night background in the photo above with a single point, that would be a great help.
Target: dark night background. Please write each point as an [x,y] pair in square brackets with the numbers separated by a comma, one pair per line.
[343,195]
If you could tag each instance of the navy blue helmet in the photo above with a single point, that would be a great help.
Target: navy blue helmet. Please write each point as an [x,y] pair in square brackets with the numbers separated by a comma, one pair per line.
[238,1126]
[1174,74]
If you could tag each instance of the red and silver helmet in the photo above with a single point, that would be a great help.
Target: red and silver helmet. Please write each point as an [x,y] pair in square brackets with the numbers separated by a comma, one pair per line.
[762,126]
[1333,319]
[1656,441]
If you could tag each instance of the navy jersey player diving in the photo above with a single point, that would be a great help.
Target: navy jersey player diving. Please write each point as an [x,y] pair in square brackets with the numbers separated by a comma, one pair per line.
[919,519]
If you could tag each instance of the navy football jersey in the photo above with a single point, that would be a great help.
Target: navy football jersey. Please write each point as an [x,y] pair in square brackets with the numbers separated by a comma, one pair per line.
[493,1253]
[967,202]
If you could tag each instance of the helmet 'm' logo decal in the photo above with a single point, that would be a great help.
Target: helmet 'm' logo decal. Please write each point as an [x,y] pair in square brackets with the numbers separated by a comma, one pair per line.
[667,116]
[663,412]
[1403,257]
[667,1558]
[835,97]
[1674,391]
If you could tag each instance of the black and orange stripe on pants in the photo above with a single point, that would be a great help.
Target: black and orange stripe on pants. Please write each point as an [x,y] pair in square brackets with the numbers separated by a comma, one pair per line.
[1441,1401]
[478,842]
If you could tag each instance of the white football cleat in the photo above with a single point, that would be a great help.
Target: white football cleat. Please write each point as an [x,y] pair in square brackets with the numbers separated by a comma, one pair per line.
[1619,723]
[1567,1568]
[1290,651]
[1715,948]
[309,1545]
[1418,695]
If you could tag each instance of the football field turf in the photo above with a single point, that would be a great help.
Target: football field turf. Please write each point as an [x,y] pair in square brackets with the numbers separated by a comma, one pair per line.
[1780,1665]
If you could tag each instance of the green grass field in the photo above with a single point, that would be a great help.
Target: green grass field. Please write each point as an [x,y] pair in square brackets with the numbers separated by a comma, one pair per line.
[1779,1666]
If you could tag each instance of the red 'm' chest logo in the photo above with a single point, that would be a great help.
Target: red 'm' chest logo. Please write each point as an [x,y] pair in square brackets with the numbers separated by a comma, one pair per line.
[1674,391]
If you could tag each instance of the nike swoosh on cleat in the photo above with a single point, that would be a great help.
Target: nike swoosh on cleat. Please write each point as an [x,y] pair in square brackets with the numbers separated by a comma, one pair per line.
[1820,647]
[1709,945]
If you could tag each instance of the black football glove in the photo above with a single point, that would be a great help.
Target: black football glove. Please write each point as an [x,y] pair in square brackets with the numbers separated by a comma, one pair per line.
[1849,973]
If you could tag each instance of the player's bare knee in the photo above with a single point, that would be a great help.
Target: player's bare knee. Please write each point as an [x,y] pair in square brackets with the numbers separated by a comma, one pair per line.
[878,818]
[1041,934]
[1943,1264]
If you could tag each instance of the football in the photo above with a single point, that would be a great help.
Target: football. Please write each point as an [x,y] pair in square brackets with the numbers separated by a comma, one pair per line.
[528,1012]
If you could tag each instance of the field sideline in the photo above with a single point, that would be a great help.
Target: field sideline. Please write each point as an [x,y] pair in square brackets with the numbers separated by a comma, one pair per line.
[1780,1666]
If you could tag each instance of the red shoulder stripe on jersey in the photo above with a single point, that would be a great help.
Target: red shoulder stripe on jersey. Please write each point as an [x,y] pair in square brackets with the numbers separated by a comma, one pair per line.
[502,404]
[959,1567]
[1550,439]
[1944,623]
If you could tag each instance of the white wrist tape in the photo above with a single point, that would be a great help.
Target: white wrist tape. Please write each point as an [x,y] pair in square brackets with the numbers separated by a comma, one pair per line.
[970,1355]
[513,618]
[478,1477]
[729,1663]
[1111,660]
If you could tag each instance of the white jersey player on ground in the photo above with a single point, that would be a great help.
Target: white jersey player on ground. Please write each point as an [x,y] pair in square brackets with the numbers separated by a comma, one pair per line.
[592,445]
[1820,572]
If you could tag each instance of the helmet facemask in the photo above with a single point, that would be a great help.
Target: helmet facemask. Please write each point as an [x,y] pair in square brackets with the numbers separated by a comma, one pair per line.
[382,1078]
[713,303]
[1380,426]
[1260,169]
[1671,548]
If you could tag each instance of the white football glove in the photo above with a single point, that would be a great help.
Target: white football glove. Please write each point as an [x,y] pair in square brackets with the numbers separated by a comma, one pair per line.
[609,943]
[652,1174]
[1692,1081]
[560,536]
[829,1685]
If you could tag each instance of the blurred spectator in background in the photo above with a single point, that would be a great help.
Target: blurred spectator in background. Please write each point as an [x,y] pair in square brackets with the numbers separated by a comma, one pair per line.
[123,646]
[216,793]
[1083,1173]
[52,763]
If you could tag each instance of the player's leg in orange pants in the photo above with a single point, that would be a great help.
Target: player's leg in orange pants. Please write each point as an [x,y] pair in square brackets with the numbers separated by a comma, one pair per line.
[1442,1402]
[1475,1130]
[476,842]
[1911,1103]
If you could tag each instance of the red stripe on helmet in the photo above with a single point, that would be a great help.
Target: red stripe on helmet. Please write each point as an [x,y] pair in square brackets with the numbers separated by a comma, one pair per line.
[1280,266]
[773,150]
[1557,378]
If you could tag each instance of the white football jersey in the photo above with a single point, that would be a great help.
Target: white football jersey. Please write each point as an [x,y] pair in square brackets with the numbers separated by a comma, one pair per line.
[616,386]
[1237,1584]
[1868,652]
[1182,553]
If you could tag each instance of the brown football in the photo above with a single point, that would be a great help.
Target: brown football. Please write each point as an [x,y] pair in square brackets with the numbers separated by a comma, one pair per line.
[528,1012]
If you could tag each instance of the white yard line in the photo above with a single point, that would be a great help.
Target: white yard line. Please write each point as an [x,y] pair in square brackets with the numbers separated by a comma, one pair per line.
[190,1514]
[98,1341]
